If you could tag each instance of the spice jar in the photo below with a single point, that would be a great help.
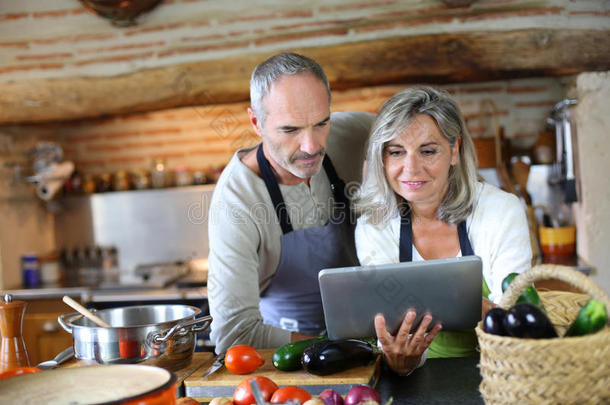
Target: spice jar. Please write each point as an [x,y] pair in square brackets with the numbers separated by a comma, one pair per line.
[88,184]
[158,175]
[182,176]
[121,181]
[30,271]
[141,180]
[105,183]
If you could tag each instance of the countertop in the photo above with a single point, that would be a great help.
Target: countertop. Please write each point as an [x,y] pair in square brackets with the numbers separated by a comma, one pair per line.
[92,295]
[438,381]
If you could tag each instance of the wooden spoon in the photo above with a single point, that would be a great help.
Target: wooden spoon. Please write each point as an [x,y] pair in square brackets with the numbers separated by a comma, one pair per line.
[85,312]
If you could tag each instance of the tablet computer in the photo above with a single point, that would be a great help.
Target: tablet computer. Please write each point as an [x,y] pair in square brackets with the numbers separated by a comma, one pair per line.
[449,289]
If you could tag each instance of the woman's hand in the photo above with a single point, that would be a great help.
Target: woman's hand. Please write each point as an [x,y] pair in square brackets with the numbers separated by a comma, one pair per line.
[403,351]
[486,305]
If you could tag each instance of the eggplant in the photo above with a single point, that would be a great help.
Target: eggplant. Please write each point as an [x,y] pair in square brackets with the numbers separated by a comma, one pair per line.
[525,320]
[494,322]
[331,356]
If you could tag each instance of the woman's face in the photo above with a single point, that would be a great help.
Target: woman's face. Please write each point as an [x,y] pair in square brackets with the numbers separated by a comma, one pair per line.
[417,163]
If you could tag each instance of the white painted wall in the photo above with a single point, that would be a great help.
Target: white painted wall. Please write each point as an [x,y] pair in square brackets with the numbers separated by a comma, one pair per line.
[593,209]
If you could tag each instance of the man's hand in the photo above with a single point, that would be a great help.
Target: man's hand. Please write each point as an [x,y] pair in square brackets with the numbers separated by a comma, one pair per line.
[403,351]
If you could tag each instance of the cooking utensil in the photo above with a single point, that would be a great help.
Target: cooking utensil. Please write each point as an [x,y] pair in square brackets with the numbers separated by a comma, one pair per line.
[65,355]
[560,117]
[113,384]
[85,312]
[256,392]
[160,335]
[218,363]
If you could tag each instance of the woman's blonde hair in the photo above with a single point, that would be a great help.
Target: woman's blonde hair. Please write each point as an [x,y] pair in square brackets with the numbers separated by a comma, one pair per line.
[375,198]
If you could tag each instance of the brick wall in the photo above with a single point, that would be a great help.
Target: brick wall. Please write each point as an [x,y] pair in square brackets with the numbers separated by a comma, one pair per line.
[60,38]
[204,137]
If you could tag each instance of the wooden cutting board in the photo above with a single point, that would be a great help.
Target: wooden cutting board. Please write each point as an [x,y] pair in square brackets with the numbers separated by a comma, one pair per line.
[222,383]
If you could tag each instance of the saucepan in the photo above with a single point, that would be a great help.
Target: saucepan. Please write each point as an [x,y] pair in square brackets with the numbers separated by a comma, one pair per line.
[157,335]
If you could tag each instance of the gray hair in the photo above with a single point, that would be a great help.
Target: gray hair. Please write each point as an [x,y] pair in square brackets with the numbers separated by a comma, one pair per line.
[274,67]
[375,198]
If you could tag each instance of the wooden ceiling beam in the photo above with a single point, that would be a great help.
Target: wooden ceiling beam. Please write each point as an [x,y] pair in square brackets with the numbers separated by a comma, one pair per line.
[440,58]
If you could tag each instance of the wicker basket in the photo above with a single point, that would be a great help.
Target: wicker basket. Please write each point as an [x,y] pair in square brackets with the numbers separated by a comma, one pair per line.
[574,370]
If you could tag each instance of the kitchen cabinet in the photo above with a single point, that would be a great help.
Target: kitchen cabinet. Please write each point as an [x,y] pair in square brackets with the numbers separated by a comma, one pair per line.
[44,337]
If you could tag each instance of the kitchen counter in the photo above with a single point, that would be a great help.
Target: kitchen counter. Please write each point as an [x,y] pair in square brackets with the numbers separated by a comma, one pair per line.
[92,295]
[438,381]
[447,381]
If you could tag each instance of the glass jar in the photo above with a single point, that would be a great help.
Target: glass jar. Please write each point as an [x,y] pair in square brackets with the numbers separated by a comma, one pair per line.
[88,184]
[140,180]
[105,183]
[121,181]
[30,271]
[183,176]
[158,174]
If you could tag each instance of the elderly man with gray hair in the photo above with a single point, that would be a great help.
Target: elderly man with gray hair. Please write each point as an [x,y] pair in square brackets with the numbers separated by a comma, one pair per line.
[280,213]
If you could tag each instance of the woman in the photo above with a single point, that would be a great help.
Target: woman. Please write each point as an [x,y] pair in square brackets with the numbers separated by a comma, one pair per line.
[421,199]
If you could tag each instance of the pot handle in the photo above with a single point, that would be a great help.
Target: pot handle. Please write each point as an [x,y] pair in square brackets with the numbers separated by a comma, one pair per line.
[64,324]
[157,338]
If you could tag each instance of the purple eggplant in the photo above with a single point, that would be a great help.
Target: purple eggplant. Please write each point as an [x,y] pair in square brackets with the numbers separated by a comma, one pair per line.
[331,356]
[494,322]
[525,320]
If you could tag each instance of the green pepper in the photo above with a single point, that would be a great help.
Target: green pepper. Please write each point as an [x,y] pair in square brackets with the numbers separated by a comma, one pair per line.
[591,318]
[529,295]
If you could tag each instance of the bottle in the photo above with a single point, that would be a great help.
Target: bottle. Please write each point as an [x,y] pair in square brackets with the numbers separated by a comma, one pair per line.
[13,352]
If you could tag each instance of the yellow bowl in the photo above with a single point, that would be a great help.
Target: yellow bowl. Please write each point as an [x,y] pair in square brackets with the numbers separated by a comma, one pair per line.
[557,241]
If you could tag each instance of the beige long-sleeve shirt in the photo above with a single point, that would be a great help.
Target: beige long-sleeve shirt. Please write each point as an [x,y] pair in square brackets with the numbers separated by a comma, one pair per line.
[245,235]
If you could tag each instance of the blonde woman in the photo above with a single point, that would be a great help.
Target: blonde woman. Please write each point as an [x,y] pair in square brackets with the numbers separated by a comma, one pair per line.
[421,199]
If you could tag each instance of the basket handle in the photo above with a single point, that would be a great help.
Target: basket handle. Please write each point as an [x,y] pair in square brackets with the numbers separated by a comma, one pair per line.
[552,271]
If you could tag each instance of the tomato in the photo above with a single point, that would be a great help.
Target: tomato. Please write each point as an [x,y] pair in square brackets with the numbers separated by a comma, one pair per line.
[18,371]
[290,393]
[243,393]
[243,359]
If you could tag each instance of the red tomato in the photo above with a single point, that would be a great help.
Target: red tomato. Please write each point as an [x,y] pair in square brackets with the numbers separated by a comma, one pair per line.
[243,359]
[243,393]
[290,393]
[18,371]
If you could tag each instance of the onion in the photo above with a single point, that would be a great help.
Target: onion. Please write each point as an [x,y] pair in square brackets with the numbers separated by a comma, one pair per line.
[331,397]
[314,401]
[361,393]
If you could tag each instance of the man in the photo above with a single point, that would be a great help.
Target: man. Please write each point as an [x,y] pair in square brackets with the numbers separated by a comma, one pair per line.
[274,219]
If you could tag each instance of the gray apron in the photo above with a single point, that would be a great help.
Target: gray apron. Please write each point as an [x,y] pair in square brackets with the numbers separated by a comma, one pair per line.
[461,343]
[292,300]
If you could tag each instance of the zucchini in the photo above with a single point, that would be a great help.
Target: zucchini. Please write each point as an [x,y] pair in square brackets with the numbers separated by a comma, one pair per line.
[591,318]
[530,295]
[332,356]
[288,357]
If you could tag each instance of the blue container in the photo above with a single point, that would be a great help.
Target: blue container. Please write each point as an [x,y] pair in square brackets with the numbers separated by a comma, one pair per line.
[30,271]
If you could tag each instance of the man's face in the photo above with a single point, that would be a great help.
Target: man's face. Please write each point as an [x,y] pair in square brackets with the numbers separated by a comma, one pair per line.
[296,126]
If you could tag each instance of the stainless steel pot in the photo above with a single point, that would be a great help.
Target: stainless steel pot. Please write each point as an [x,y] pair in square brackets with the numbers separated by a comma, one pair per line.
[159,335]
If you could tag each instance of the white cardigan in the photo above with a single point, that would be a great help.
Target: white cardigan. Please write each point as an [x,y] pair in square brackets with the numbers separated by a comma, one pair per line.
[497,229]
